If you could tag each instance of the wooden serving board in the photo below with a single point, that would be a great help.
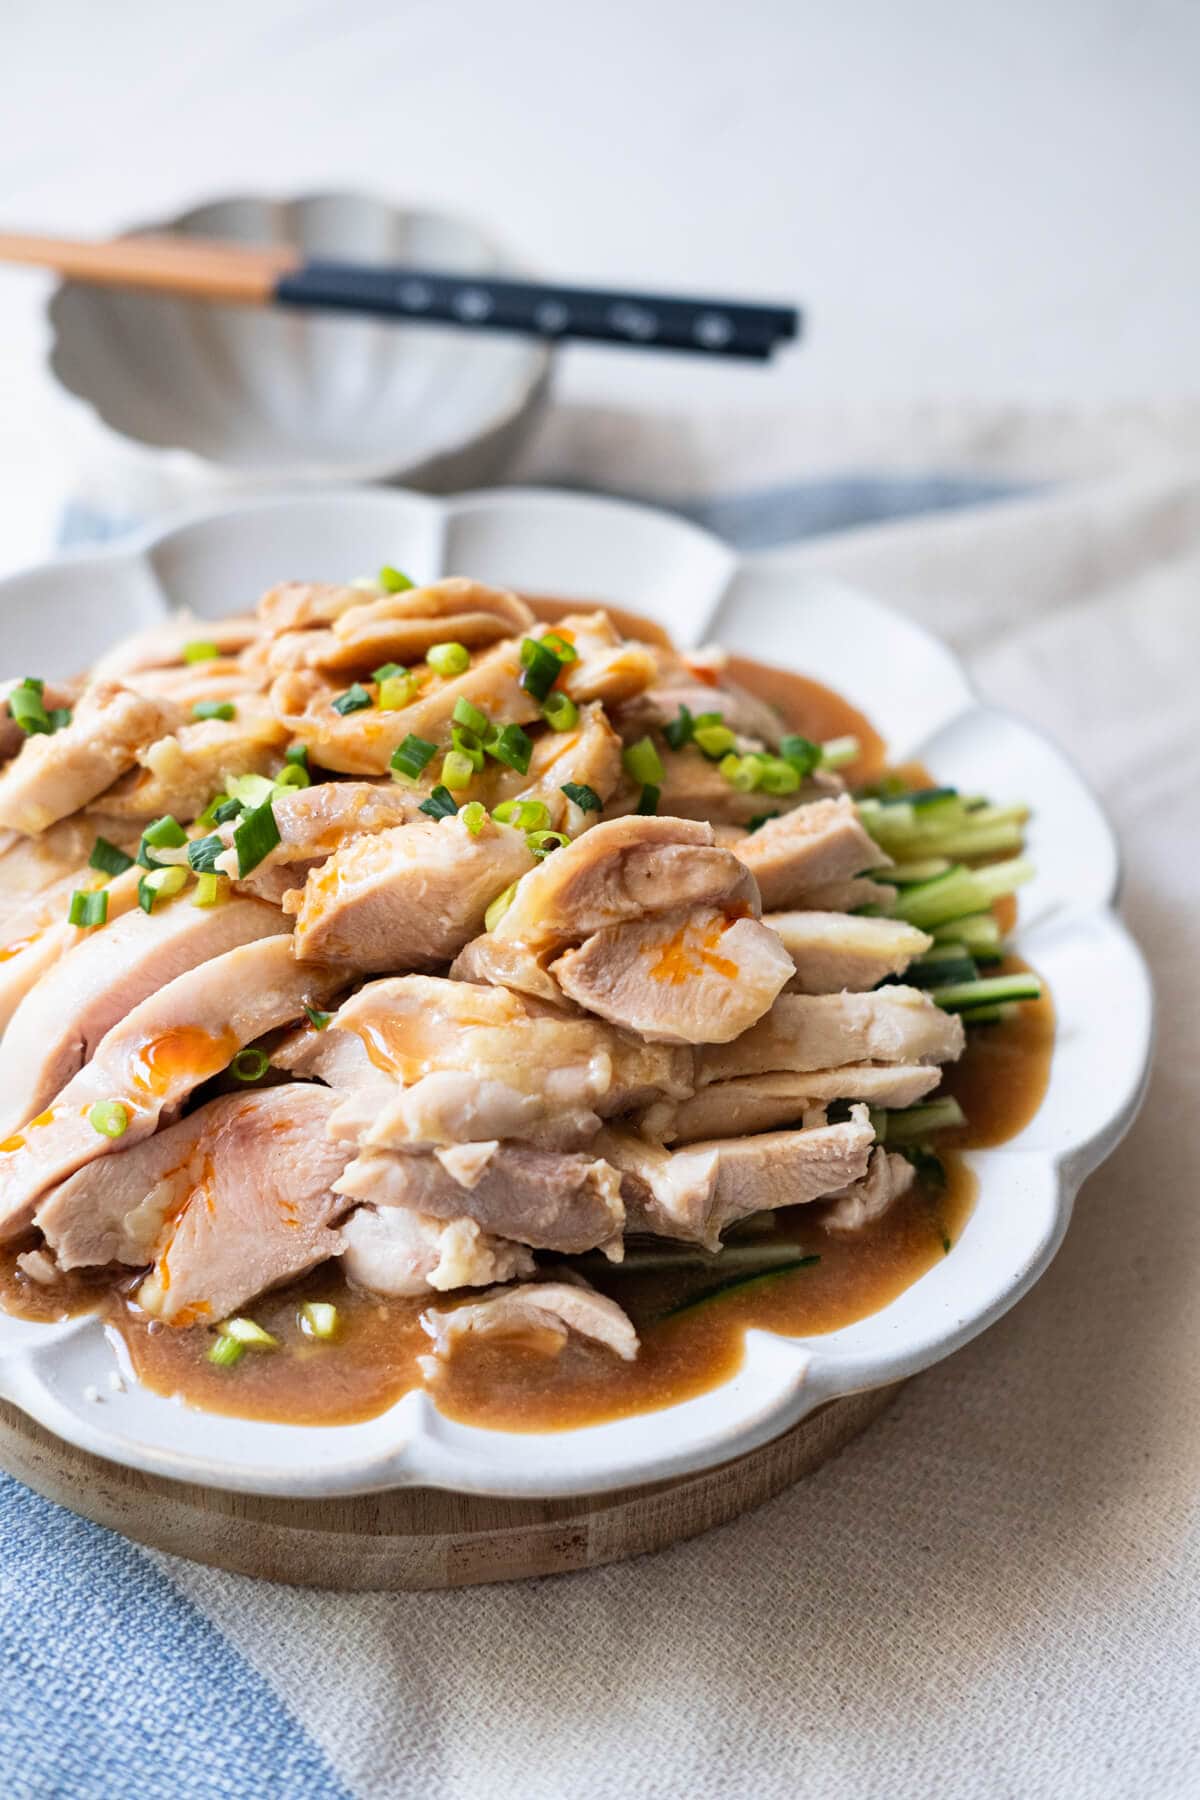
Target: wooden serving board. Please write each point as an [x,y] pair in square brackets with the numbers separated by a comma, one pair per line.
[420,1537]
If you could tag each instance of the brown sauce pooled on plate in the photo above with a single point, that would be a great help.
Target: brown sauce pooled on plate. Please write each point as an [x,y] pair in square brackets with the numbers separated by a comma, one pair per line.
[692,1338]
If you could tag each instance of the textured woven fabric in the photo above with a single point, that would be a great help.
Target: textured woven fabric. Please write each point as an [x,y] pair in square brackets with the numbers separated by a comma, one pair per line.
[995,1592]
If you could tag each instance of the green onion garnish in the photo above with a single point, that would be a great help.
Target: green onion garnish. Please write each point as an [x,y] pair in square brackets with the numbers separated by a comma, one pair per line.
[210,889]
[512,747]
[468,744]
[643,763]
[565,652]
[165,834]
[228,809]
[678,731]
[160,884]
[649,798]
[245,1331]
[526,815]
[318,1319]
[225,1352]
[386,671]
[200,650]
[466,714]
[412,755]
[540,668]
[560,712]
[448,659]
[254,836]
[541,843]
[355,699]
[293,776]
[109,1118]
[87,908]
[801,752]
[249,1065]
[213,709]
[713,740]
[759,820]
[499,907]
[203,852]
[28,709]
[838,752]
[394,581]
[251,790]
[108,858]
[457,770]
[297,753]
[584,797]
[441,804]
[397,691]
[474,816]
[316,1018]
[778,776]
[743,772]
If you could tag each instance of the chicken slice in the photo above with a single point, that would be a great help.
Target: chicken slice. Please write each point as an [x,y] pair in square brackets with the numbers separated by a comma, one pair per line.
[835,951]
[36,873]
[607,667]
[46,935]
[54,775]
[401,1253]
[222,678]
[544,1311]
[823,1031]
[846,896]
[695,977]
[293,605]
[312,823]
[766,1102]
[362,742]
[161,646]
[742,711]
[403,627]
[180,772]
[152,1060]
[694,788]
[888,1177]
[55,694]
[550,1200]
[407,898]
[61,1020]
[807,848]
[694,1194]
[588,755]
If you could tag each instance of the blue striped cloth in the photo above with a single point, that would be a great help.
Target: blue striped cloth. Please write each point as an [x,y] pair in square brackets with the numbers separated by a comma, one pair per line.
[114,1681]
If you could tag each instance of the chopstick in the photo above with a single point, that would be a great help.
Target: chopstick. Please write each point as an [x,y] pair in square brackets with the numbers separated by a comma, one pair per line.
[204,269]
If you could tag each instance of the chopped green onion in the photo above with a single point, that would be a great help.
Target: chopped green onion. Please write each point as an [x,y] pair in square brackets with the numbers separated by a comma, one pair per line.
[254,836]
[801,752]
[448,659]
[211,889]
[526,815]
[541,668]
[387,670]
[249,1065]
[709,718]
[466,714]
[468,744]
[318,1319]
[565,651]
[293,775]
[316,1018]
[202,853]
[838,752]
[160,884]
[394,581]
[298,754]
[912,1123]
[58,717]
[109,1118]
[245,1331]
[227,810]
[200,650]
[713,740]
[213,709]
[441,804]
[28,709]
[560,712]
[643,763]
[585,798]
[962,996]
[397,691]
[648,799]
[87,908]
[779,776]
[758,821]
[251,790]
[541,843]
[511,746]
[34,684]
[499,907]
[678,731]
[474,816]
[742,772]
[458,770]
[412,756]
[225,1352]
[355,699]
[108,858]
[165,834]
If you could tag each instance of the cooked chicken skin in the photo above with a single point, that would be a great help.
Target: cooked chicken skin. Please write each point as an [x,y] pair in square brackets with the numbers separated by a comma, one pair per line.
[399,1253]
[541,1310]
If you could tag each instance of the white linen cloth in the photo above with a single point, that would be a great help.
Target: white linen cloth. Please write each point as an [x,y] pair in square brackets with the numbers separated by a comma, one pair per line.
[996,1591]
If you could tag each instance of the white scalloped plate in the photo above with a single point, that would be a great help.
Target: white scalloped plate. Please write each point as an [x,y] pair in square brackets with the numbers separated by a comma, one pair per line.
[60,616]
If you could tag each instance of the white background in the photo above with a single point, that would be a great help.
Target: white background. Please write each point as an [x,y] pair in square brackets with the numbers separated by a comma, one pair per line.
[974,202]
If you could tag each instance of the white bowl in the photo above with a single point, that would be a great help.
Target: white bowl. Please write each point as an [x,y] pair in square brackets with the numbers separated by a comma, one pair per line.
[173,400]
[58,616]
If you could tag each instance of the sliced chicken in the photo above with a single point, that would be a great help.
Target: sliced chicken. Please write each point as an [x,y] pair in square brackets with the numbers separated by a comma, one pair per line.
[180,772]
[312,823]
[222,678]
[607,667]
[887,1179]
[742,711]
[54,775]
[47,935]
[846,896]
[835,951]
[152,1060]
[403,627]
[694,788]
[293,605]
[766,1102]
[504,962]
[809,847]
[823,1031]
[694,1194]
[161,646]
[61,1020]
[694,977]
[401,1253]
[589,755]
[544,1311]
[548,1199]
[407,898]
[36,871]
[55,694]
[362,742]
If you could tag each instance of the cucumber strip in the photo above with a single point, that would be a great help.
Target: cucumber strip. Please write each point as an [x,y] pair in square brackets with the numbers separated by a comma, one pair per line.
[991,1015]
[906,874]
[755,1257]
[912,1123]
[964,996]
[977,932]
[931,972]
[738,1284]
[961,891]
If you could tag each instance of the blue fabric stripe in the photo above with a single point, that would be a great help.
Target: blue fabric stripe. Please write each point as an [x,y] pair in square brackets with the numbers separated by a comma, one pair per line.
[113,1683]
